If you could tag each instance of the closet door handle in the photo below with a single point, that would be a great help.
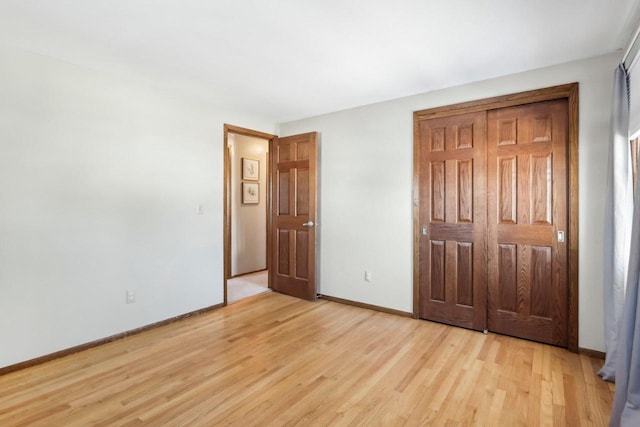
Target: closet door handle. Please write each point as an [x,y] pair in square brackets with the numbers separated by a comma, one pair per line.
[308,224]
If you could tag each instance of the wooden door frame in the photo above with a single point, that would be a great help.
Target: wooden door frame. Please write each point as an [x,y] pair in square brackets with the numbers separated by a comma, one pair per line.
[227,198]
[567,91]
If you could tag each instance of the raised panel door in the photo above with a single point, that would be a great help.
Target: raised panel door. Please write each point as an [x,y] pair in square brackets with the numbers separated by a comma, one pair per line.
[293,215]
[527,207]
[452,254]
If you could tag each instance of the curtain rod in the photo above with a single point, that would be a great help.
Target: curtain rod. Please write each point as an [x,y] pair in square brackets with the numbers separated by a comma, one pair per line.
[633,48]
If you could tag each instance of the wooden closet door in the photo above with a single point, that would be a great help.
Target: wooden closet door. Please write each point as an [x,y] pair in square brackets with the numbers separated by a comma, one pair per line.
[452,249]
[527,209]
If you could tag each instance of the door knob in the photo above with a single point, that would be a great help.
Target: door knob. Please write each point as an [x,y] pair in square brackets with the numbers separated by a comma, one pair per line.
[308,224]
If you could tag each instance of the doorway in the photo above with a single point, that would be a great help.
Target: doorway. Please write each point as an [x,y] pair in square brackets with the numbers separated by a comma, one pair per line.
[495,215]
[285,181]
[247,205]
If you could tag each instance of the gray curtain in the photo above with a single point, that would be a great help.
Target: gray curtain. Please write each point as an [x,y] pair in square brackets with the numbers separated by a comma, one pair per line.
[618,214]
[626,403]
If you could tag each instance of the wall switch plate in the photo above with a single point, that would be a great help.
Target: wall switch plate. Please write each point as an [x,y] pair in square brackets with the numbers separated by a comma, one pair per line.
[367,276]
[131,296]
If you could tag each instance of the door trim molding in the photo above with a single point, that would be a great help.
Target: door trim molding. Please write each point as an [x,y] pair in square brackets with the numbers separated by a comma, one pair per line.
[227,198]
[567,91]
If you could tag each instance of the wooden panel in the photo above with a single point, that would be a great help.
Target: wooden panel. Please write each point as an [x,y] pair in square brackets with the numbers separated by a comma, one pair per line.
[525,234]
[283,252]
[541,131]
[541,191]
[283,200]
[523,281]
[507,132]
[302,254]
[507,178]
[465,190]
[438,139]
[302,150]
[523,197]
[541,293]
[302,192]
[454,232]
[507,277]
[464,136]
[522,149]
[464,289]
[438,208]
[437,270]
[284,152]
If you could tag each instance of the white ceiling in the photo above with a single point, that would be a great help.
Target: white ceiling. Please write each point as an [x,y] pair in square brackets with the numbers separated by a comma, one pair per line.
[289,59]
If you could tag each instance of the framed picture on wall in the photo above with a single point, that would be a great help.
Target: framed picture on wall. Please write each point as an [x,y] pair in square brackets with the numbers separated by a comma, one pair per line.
[250,192]
[250,169]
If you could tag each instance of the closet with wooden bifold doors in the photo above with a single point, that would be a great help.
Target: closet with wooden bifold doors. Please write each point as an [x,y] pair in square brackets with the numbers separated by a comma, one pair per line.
[493,215]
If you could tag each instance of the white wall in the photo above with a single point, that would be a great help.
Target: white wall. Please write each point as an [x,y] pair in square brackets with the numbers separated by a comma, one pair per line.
[100,180]
[248,221]
[366,187]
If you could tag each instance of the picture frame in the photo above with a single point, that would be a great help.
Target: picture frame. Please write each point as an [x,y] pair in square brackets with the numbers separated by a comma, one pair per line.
[250,192]
[250,169]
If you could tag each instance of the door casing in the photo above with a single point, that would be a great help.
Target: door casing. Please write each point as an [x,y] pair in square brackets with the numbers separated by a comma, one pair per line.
[567,91]
[270,185]
[227,198]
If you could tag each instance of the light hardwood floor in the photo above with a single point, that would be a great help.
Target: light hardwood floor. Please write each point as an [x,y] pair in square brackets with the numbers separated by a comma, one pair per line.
[277,360]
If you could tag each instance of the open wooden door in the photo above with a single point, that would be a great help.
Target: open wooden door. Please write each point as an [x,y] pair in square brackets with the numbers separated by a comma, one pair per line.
[293,215]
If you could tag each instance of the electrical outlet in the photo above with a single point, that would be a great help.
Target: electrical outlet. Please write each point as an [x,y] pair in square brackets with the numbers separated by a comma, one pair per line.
[367,276]
[131,296]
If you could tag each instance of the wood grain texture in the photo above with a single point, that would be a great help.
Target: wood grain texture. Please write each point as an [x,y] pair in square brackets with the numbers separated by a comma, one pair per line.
[593,353]
[437,192]
[541,282]
[464,286]
[437,270]
[278,360]
[572,325]
[506,189]
[367,306]
[451,168]
[76,349]
[570,92]
[465,191]
[293,204]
